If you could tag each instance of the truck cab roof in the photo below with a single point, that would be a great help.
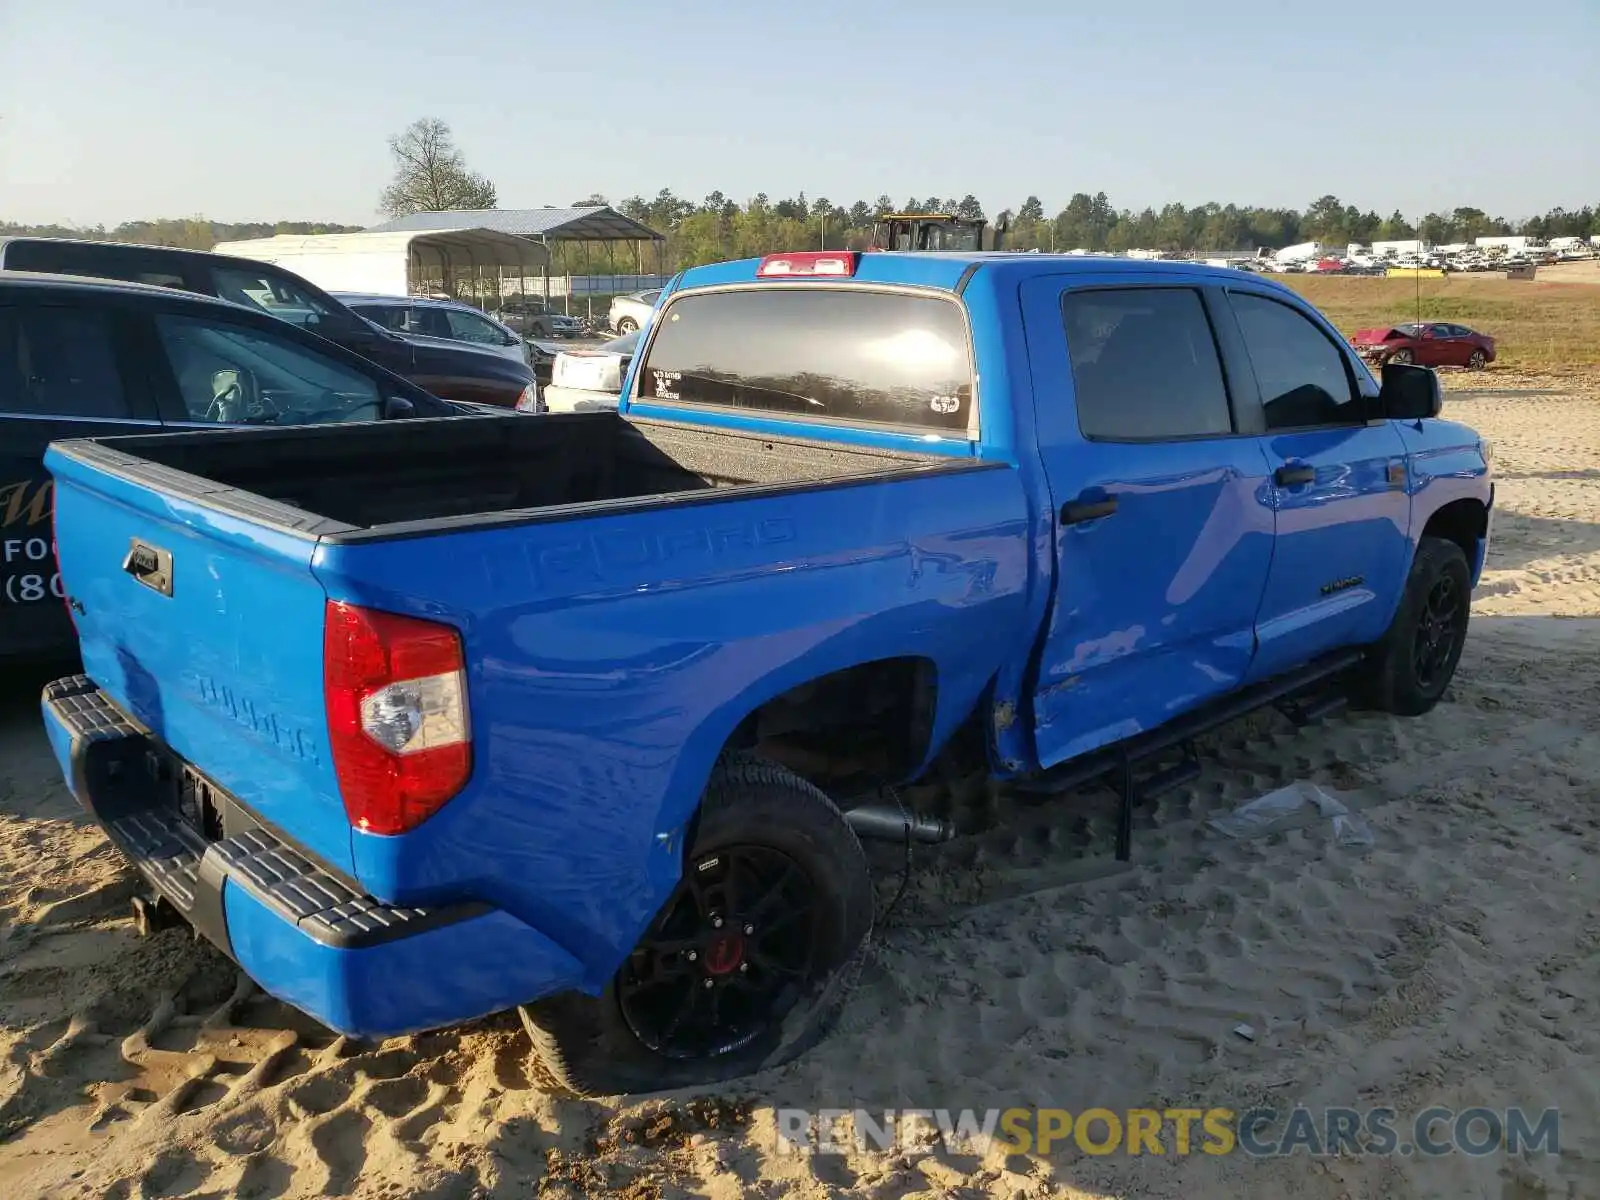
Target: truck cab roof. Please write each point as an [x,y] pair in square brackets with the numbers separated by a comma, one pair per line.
[954,271]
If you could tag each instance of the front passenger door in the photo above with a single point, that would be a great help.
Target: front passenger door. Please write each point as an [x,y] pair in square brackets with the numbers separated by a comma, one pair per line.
[1338,480]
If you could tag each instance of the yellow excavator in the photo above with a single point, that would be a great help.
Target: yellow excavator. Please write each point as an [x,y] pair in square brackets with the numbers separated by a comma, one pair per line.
[938,232]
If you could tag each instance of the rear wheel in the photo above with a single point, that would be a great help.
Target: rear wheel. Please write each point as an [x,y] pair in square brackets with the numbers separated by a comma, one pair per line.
[627,325]
[746,964]
[1477,360]
[1412,666]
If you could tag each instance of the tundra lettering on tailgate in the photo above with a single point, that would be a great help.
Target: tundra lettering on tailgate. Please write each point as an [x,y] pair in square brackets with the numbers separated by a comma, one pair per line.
[263,721]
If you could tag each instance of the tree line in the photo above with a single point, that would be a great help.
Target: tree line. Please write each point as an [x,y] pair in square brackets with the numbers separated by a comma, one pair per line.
[720,228]
[190,233]
[430,174]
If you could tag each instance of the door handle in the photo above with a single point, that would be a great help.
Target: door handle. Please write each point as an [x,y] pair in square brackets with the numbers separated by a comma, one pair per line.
[1289,475]
[1092,510]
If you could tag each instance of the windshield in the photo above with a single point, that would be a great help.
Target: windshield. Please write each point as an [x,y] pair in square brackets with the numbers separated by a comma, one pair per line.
[270,292]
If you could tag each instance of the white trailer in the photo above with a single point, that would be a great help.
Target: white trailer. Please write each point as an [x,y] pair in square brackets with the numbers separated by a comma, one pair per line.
[1510,242]
[463,263]
[1401,246]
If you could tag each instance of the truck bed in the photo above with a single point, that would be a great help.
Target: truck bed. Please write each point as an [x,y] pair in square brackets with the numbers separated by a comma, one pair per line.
[350,482]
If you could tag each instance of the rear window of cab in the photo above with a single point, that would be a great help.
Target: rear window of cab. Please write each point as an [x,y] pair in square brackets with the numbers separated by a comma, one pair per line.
[840,355]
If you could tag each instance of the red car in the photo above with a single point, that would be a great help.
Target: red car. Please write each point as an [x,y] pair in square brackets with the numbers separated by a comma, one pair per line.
[1434,344]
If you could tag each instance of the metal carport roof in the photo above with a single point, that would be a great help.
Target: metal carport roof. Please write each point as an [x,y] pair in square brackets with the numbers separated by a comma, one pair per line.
[596,223]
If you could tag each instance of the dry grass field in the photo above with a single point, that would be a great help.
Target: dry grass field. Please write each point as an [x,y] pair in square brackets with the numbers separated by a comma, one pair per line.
[1535,324]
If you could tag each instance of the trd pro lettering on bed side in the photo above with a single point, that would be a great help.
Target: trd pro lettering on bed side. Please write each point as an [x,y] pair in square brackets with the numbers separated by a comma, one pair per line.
[619,555]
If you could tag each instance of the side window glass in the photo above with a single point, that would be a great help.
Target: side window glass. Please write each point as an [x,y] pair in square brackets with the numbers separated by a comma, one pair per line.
[1145,364]
[270,292]
[467,327]
[59,362]
[388,315]
[232,374]
[1303,378]
[429,321]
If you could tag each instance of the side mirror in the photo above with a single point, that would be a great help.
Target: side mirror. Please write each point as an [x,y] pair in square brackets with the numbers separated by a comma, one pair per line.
[1409,393]
[397,408]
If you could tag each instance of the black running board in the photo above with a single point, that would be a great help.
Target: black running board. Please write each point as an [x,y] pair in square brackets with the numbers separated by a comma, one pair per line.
[1119,760]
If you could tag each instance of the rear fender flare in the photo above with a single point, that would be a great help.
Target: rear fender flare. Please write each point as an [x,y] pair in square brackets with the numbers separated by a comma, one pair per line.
[955,693]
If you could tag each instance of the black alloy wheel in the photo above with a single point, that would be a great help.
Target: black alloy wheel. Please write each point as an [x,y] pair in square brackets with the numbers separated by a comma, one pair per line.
[1440,625]
[726,958]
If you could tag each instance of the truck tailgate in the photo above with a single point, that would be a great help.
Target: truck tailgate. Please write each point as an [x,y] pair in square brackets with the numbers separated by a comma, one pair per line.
[207,628]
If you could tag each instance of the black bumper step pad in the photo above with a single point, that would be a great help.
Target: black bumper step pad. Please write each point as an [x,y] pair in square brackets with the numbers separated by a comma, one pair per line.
[110,759]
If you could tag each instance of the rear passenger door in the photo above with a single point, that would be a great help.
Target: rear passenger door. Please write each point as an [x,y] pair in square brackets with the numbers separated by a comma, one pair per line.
[65,371]
[1338,485]
[1163,535]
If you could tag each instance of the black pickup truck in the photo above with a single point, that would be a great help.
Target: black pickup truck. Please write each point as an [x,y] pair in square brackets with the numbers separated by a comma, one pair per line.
[89,358]
[453,372]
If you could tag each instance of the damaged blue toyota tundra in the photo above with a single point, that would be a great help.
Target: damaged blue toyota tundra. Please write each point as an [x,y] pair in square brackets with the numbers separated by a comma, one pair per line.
[420,721]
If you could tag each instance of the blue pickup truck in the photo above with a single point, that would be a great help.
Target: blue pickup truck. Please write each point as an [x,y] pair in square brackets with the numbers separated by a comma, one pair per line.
[425,720]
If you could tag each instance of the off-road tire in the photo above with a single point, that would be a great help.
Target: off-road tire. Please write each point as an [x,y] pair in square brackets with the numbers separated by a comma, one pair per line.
[1388,680]
[582,1045]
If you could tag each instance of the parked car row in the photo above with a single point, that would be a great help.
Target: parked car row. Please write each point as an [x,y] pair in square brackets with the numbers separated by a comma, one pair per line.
[444,368]
[99,335]
[87,357]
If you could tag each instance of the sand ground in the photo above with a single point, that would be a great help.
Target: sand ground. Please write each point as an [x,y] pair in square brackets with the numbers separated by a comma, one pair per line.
[1454,962]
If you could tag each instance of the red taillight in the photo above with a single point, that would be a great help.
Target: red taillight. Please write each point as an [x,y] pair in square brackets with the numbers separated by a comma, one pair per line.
[529,401]
[396,693]
[811,262]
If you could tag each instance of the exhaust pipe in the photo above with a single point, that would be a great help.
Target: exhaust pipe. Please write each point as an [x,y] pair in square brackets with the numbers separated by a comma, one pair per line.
[891,823]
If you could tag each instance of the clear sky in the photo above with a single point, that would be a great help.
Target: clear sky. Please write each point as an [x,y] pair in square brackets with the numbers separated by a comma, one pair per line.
[280,110]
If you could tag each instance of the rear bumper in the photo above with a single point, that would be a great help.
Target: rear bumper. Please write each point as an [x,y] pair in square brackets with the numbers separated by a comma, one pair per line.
[304,934]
